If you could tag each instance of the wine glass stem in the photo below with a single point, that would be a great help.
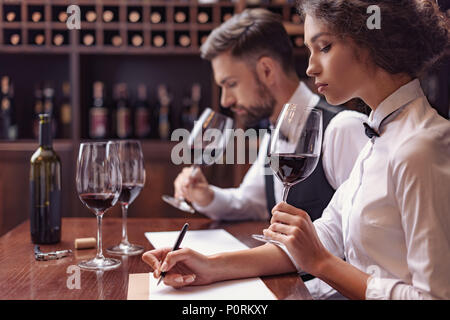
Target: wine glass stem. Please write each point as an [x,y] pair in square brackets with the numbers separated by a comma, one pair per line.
[124,224]
[194,170]
[99,236]
[285,192]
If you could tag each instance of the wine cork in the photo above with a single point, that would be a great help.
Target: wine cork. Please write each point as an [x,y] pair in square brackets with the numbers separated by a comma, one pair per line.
[85,243]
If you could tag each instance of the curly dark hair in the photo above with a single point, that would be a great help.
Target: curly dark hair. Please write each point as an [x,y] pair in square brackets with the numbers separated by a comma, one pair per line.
[414,34]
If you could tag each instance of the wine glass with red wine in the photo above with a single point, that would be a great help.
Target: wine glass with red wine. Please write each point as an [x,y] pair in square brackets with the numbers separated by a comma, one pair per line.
[295,147]
[206,143]
[133,180]
[99,184]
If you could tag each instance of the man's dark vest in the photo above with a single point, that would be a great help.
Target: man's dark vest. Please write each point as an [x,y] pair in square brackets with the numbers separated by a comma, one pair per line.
[314,193]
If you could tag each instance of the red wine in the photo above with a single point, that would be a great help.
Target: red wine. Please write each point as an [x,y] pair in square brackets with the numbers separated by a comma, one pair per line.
[290,168]
[129,193]
[98,202]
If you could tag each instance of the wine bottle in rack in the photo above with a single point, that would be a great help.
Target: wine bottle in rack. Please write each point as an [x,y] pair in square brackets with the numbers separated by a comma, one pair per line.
[298,41]
[180,16]
[122,116]
[10,16]
[191,107]
[62,16]
[36,16]
[142,113]
[203,17]
[90,15]
[58,39]
[116,40]
[134,16]
[14,39]
[39,39]
[155,17]
[45,188]
[88,39]
[49,105]
[108,15]
[159,41]
[38,108]
[65,112]
[98,114]
[184,40]
[163,111]
[5,108]
[137,40]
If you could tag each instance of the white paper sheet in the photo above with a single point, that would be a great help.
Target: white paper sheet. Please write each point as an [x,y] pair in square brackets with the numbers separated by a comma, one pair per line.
[206,242]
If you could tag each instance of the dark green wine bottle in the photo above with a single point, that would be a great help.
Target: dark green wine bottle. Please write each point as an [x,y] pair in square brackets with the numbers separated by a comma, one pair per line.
[45,188]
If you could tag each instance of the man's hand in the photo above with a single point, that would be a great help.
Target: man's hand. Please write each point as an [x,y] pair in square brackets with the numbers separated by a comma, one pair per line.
[192,185]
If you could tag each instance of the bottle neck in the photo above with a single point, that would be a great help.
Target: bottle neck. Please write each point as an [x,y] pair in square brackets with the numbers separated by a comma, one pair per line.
[45,135]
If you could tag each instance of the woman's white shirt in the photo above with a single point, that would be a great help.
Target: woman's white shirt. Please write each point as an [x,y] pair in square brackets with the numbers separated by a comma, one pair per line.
[391,218]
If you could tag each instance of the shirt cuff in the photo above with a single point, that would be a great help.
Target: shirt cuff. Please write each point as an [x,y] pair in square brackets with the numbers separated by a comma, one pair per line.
[380,288]
[212,210]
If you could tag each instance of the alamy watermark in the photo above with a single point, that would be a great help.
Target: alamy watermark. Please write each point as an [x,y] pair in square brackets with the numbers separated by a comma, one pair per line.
[374,20]
[73,17]
[218,147]
[74,278]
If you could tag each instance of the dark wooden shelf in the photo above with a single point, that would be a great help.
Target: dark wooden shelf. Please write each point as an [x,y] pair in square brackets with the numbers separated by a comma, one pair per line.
[176,66]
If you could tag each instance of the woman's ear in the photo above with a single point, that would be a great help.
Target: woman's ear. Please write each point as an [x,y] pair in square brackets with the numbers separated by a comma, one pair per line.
[266,70]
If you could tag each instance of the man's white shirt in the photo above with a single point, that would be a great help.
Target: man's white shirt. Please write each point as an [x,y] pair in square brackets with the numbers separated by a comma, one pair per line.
[343,139]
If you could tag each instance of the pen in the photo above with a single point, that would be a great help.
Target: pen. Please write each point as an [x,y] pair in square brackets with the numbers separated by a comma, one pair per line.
[176,246]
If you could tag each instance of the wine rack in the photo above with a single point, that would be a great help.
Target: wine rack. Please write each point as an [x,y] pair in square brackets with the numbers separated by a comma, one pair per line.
[20,20]
[129,41]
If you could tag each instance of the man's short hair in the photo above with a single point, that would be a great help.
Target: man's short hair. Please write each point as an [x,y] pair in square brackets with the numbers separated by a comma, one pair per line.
[250,35]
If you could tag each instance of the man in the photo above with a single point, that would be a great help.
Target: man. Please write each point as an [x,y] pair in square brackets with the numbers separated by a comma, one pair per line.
[252,60]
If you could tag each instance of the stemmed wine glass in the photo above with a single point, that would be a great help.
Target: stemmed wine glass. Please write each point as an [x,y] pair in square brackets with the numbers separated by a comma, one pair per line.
[206,143]
[133,180]
[295,147]
[99,184]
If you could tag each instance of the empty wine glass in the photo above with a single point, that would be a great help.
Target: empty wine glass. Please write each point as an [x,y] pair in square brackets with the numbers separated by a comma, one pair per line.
[99,184]
[295,147]
[133,180]
[207,141]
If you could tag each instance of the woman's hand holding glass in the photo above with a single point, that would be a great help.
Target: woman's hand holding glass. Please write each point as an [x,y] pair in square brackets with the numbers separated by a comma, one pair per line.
[294,229]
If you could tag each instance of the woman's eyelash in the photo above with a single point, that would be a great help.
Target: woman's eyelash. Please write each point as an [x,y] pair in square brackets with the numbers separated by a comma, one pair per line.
[326,48]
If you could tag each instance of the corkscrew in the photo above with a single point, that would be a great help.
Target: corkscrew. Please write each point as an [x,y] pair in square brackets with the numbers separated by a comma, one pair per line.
[44,256]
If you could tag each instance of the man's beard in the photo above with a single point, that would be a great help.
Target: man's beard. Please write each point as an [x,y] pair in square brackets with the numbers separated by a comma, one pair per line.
[262,109]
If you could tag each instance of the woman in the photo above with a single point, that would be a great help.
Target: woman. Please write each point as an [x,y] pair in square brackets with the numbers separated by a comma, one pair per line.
[391,219]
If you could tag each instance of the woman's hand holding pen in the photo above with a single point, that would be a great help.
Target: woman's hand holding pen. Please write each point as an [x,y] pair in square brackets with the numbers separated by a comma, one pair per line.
[294,228]
[193,187]
[184,266]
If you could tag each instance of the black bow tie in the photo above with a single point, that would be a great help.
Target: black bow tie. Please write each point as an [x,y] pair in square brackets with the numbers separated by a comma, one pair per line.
[370,132]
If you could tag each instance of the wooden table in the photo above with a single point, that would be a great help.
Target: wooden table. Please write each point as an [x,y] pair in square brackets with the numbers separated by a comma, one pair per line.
[22,277]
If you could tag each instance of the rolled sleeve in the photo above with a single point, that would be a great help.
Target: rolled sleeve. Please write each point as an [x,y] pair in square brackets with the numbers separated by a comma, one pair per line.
[380,288]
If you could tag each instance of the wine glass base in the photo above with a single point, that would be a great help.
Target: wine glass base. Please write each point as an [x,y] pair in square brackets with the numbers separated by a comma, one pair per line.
[100,264]
[125,250]
[178,203]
